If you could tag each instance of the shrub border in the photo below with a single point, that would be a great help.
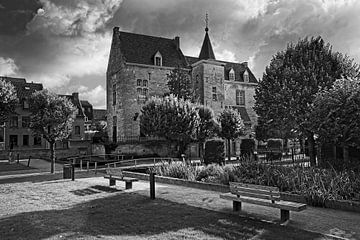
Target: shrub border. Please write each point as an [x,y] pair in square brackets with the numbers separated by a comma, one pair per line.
[333,204]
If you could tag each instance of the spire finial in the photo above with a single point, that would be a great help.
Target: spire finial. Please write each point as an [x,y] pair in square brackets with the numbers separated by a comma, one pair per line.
[207,21]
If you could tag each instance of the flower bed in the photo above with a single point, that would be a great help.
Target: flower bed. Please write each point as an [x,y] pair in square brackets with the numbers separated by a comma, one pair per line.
[316,185]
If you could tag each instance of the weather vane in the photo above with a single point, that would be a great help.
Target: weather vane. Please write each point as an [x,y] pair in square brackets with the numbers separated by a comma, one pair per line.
[207,21]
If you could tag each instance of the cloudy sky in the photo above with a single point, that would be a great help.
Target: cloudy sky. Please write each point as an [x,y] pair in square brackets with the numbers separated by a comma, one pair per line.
[65,44]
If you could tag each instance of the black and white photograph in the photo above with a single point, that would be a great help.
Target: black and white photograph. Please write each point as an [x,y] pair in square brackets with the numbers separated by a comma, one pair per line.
[179,119]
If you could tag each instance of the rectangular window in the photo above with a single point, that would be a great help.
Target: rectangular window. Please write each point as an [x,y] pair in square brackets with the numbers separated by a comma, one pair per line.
[37,140]
[14,122]
[145,83]
[13,141]
[25,122]
[138,82]
[77,130]
[114,133]
[240,97]
[158,61]
[25,104]
[114,94]
[214,96]
[25,140]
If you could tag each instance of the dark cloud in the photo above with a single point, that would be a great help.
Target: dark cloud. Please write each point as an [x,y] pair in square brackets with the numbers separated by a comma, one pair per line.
[16,14]
[65,43]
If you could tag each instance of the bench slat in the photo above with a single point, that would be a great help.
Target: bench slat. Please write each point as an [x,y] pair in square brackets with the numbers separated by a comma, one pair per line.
[260,187]
[257,195]
[234,189]
[291,206]
[125,179]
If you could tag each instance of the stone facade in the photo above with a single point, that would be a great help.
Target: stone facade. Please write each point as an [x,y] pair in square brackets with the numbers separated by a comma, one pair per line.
[134,75]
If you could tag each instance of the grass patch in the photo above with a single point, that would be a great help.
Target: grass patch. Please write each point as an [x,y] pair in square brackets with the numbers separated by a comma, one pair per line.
[7,167]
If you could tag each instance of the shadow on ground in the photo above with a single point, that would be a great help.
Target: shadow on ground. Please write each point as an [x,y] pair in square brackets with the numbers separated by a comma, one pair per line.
[131,215]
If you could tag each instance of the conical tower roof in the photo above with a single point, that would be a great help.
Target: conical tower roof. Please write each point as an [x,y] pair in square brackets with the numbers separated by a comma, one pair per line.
[206,49]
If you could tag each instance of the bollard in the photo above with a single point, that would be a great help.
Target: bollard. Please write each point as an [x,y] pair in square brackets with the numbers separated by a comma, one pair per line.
[80,165]
[18,158]
[87,165]
[95,167]
[29,161]
[152,185]
[72,172]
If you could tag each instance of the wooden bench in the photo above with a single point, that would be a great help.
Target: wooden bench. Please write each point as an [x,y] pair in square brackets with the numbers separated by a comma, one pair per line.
[261,195]
[114,174]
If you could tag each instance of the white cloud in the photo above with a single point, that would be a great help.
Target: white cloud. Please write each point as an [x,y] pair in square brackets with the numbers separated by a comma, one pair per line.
[96,96]
[7,67]
[225,55]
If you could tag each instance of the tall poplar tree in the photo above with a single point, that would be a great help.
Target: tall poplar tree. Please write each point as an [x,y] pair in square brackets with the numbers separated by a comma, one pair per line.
[285,95]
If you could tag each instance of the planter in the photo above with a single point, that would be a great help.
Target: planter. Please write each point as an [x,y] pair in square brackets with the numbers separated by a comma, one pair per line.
[334,204]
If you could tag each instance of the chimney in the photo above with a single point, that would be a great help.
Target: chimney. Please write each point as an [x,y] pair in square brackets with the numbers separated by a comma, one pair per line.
[245,64]
[177,42]
[75,95]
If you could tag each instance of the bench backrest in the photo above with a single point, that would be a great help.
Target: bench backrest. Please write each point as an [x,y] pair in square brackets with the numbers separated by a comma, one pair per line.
[255,191]
[114,172]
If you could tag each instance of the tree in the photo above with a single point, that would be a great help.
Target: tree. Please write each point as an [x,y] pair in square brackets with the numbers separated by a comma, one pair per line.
[179,83]
[206,128]
[171,118]
[8,100]
[51,117]
[285,95]
[336,115]
[231,126]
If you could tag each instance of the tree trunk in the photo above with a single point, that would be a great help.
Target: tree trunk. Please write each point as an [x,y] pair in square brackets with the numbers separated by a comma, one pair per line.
[346,153]
[229,151]
[311,145]
[201,151]
[52,156]
[334,153]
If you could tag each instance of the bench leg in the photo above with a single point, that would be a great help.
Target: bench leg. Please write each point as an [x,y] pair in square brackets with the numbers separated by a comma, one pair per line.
[236,206]
[285,215]
[112,182]
[128,185]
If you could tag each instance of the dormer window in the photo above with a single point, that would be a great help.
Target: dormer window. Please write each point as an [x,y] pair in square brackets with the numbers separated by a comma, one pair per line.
[158,59]
[232,75]
[246,76]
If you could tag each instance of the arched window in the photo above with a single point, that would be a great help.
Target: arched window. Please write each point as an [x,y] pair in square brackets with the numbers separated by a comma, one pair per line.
[232,75]
[158,59]
[246,76]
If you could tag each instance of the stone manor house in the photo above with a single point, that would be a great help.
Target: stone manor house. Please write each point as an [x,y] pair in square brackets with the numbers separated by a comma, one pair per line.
[137,70]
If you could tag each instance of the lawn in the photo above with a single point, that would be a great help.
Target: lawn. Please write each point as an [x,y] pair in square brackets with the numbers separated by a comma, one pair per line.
[89,209]
[7,167]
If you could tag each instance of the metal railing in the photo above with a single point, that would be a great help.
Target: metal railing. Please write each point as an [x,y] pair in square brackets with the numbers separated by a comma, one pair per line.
[145,162]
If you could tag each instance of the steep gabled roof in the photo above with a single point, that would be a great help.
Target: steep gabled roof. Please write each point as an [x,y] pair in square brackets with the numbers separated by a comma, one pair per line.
[138,48]
[206,49]
[239,69]
[23,89]
[88,111]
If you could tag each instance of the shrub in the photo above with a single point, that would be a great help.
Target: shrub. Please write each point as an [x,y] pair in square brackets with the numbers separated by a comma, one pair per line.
[247,147]
[216,174]
[177,170]
[214,152]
